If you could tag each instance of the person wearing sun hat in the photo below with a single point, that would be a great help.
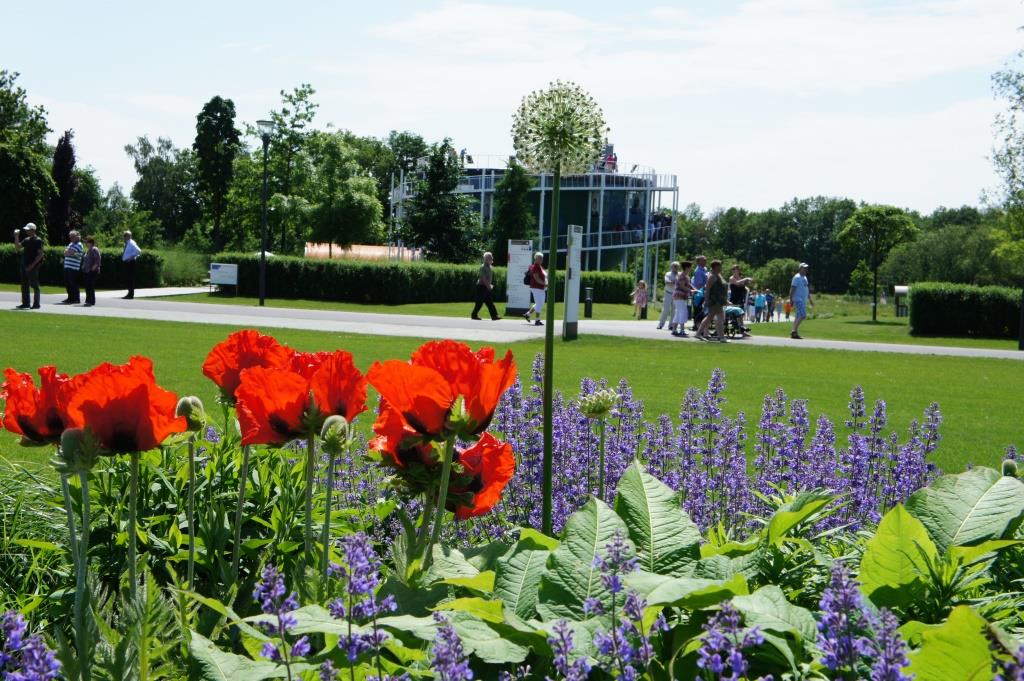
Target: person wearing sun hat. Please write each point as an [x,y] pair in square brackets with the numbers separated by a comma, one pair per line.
[31,248]
[800,296]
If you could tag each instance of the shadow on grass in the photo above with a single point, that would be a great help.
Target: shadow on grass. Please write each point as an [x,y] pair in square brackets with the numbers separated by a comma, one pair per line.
[868,322]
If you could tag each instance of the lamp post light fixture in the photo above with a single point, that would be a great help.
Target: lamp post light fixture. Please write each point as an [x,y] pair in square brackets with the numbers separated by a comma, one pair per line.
[266,129]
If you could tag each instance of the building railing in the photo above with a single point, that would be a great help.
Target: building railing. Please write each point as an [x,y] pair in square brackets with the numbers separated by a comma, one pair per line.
[625,238]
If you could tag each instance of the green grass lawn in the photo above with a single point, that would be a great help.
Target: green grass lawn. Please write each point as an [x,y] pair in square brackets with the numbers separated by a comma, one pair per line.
[981,399]
[832,318]
[16,288]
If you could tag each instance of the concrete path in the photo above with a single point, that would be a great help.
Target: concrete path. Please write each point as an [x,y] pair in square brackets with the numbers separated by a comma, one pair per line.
[110,304]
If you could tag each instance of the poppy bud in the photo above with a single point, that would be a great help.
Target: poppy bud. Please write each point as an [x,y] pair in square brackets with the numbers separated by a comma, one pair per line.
[1010,468]
[78,451]
[191,407]
[334,433]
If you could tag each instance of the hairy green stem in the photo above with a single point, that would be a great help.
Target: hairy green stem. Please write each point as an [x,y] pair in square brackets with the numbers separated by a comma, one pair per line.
[325,534]
[192,512]
[78,557]
[243,476]
[133,499]
[310,470]
[442,497]
[549,355]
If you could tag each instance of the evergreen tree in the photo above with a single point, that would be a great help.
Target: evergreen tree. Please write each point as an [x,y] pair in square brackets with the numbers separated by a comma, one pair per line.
[437,218]
[60,218]
[514,216]
[216,146]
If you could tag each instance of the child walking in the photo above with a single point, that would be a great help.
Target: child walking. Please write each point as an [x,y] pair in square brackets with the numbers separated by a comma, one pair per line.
[639,296]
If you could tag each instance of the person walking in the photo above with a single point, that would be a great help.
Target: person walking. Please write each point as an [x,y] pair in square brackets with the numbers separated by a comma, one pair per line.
[90,270]
[769,305]
[73,255]
[129,257]
[699,279]
[716,296]
[31,248]
[739,296]
[682,299]
[666,297]
[799,296]
[485,289]
[538,287]
[760,300]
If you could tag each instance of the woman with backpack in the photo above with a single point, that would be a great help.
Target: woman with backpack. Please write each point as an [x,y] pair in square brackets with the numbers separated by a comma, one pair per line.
[538,281]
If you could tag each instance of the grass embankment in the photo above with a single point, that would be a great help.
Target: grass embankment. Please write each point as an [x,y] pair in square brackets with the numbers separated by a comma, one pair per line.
[832,318]
[979,397]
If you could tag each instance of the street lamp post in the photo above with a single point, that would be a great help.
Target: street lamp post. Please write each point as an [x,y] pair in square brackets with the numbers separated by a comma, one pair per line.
[266,129]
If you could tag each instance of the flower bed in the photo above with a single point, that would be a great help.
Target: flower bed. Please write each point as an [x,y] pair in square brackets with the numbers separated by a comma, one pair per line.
[286,546]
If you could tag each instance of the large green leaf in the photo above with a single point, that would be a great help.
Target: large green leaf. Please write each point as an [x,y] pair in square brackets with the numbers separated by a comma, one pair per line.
[518,576]
[893,564]
[956,650]
[477,637]
[794,512]
[969,507]
[667,541]
[571,577]
[685,592]
[215,664]
[768,608]
[309,619]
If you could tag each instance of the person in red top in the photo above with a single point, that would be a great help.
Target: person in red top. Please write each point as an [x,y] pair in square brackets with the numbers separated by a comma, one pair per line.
[538,287]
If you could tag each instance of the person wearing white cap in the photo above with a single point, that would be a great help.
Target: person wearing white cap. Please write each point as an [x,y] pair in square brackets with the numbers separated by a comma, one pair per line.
[799,296]
[31,248]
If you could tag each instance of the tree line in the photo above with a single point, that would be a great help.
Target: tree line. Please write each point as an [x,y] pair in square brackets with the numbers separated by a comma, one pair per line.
[331,185]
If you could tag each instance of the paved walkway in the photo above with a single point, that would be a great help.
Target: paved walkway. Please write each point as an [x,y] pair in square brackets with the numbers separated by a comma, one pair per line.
[110,304]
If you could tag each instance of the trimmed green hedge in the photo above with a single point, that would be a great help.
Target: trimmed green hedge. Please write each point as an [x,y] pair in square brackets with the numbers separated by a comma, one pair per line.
[391,283]
[941,309]
[148,268]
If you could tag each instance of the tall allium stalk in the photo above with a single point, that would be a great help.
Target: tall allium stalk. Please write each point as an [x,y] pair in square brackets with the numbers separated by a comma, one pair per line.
[558,130]
[596,406]
[191,408]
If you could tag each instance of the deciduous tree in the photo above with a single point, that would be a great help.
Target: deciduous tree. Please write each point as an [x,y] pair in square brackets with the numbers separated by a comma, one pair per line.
[24,158]
[166,187]
[873,231]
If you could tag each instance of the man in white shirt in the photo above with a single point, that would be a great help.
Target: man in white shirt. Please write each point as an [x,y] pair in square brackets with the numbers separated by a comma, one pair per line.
[666,299]
[128,257]
[800,295]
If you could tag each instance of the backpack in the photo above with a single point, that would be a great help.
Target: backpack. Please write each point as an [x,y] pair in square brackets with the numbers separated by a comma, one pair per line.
[527,278]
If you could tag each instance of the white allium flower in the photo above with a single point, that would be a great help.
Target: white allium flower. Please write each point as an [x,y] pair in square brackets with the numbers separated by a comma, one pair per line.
[561,127]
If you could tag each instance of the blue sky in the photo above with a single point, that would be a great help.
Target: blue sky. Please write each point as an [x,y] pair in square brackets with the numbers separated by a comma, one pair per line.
[749,103]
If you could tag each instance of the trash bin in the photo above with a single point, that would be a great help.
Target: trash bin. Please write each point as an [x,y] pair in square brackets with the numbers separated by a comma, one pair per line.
[588,302]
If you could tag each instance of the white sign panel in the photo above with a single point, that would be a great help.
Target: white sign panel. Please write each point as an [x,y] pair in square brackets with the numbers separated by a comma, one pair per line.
[572,282]
[520,257]
[223,274]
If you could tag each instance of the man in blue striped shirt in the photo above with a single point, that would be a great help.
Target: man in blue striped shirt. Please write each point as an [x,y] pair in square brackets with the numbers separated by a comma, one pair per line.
[73,255]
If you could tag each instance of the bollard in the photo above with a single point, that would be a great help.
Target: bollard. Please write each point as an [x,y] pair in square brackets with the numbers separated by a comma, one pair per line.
[588,302]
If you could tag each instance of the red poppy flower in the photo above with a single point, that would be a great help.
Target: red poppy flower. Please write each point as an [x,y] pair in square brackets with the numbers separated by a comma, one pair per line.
[272,404]
[440,372]
[241,350]
[488,465]
[38,415]
[398,443]
[306,363]
[421,395]
[124,407]
[338,386]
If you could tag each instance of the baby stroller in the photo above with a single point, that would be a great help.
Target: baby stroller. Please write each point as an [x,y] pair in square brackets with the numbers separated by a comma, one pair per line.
[734,321]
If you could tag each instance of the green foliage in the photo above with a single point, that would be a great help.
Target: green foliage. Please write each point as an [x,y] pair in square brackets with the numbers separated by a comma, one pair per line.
[115,214]
[24,162]
[894,564]
[148,268]
[861,280]
[514,217]
[184,268]
[969,508]
[216,145]
[60,219]
[167,185]
[438,219]
[964,310]
[389,283]
[667,541]
[956,650]
[777,274]
[346,209]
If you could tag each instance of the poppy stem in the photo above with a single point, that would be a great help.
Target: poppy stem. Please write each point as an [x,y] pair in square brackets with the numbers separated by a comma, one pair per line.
[133,497]
[192,511]
[78,557]
[243,476]
[310,470]
[442,496]
[325,535]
